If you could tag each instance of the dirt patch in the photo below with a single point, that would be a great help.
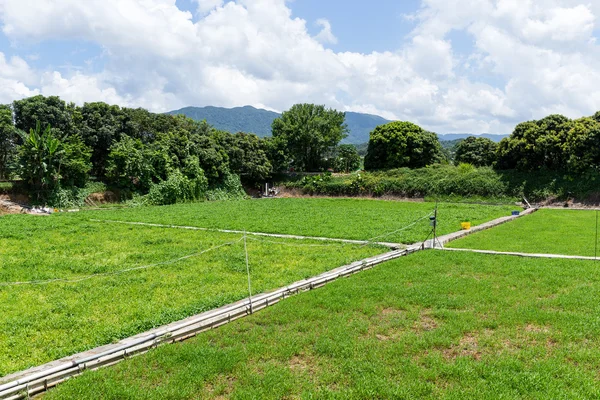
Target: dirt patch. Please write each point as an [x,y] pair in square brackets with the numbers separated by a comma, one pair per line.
[303,363]
[426,322]
[221,388]
[390,312]
[467,347]
[102,198]
[536,329]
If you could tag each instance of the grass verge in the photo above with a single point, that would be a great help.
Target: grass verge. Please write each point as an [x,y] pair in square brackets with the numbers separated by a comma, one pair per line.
[41,323]
[569,232]
[432,325]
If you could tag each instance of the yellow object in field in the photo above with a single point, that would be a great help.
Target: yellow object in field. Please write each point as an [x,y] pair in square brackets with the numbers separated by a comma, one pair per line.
[465,226]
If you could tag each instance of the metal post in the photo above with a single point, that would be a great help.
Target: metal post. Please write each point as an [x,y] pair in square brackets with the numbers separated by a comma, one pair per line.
[248,272]
[435,224]
[596,244]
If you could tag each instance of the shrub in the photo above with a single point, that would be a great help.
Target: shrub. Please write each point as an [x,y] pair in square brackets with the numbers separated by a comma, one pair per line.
[177,188]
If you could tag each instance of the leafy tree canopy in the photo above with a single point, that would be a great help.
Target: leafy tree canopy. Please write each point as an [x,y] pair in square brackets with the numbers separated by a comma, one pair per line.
[478,151]
[306,133]
[402,144]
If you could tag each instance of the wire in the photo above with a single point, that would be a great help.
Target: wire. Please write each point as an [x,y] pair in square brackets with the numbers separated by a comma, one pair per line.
[87,277]
[401,229]
[300,244]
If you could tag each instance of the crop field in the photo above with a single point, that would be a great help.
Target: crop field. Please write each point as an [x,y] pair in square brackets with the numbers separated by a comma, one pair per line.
[74,281]
[100,303]
[333,218]
[569,232]
[437,325]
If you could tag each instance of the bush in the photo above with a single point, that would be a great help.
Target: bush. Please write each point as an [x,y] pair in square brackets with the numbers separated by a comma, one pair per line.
[72,197]
[230,189]
[440,181]
[176,189]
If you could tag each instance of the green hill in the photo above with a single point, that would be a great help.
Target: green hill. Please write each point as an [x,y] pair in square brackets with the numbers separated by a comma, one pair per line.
[257,121]
[253,120]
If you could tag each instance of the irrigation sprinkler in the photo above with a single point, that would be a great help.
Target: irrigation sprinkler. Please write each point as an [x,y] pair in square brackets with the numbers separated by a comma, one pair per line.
[433,220]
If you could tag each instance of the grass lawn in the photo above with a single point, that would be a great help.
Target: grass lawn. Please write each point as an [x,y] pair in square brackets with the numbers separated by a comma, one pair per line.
[570,232]
[432,325]
[336,218]
[41,323]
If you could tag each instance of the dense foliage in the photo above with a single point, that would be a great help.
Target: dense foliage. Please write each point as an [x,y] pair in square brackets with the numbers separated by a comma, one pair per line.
[553,143]
[347,159]
[8,141]
[477,151]
[402,144]
[306,133]
[134,151]
[447,181]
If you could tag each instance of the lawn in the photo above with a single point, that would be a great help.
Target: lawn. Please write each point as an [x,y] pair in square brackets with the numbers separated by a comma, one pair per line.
[432,325]
[570,232]
[335,218]
[43,322]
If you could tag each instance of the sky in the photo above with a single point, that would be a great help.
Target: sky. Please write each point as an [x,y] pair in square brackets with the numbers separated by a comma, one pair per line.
[468,66]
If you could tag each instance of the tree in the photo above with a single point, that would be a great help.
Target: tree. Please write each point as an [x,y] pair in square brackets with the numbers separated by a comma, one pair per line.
[478,151]
[536,144]
[307,132]
[8,141]
[101,125]
[402,144]
[130,165]
[47,111]
[347,159]
[47,162]
[247,155]
[582,146]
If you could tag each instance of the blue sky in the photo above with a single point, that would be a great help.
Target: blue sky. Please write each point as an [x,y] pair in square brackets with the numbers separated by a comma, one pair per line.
[449,65]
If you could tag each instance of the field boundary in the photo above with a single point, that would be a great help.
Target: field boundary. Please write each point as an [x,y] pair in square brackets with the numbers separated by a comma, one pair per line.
[525,255]
[429,244]
[393,246]
[39,379]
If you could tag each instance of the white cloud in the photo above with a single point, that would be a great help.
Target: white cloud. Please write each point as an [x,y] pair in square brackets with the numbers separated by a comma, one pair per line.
[255,52]
[326,35]
[205,6]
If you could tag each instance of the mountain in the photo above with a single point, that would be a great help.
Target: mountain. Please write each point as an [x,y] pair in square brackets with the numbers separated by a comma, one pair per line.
[455,136]
[239,119]
[257,121]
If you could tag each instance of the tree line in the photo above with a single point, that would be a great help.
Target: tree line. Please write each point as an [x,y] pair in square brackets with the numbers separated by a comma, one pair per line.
[51,145]
[554,143]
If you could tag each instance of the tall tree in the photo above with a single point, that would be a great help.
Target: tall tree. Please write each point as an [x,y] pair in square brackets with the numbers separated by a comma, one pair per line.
[307,132]
[50,111]
[478,151]
[8,141]
[402,144]
[101,125]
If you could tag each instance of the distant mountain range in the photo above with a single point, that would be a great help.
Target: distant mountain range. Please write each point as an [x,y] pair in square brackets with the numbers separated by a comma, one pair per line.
[257,121]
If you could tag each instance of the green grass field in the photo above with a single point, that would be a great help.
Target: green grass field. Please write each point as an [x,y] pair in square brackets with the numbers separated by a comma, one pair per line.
[432,325]
[335,218]
[570,232]
[41,323]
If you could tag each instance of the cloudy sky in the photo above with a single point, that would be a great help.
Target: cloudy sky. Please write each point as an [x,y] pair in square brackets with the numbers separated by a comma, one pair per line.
[448,65]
